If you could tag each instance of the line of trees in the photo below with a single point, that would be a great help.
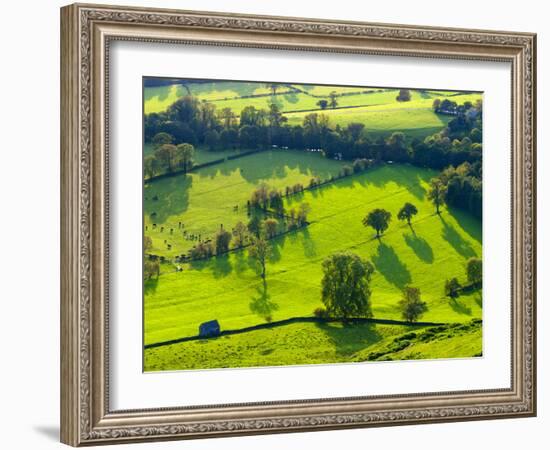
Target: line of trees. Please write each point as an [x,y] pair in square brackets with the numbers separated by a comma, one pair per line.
[189,120]
[168,157]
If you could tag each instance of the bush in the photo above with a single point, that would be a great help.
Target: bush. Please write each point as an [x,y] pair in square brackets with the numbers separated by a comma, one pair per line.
[202,250]
[320,313]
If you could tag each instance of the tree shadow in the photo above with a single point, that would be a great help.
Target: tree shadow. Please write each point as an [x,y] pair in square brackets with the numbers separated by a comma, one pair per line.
[412,182]
[420,247]
[275,251]
[172,196]
[221,266]
[460,308]
[240,262]
[261,304]
[291,97]
[150,286]
[468,223]
[456,240]
[350,338]
[390,266]
[478,299]
[310,249]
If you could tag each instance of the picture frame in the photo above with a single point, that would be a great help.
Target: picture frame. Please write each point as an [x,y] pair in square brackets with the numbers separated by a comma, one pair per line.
[87,33]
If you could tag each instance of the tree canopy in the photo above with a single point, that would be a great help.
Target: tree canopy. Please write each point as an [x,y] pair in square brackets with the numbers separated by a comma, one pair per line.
[379,219]
[407,212]
[412,307]
[345,285]
[474,271]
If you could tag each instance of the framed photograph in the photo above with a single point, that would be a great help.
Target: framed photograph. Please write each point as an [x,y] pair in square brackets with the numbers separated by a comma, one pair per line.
[277,224]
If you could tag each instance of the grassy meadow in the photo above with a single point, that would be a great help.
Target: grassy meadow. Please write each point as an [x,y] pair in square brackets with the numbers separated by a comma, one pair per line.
[375,107]
[227,288]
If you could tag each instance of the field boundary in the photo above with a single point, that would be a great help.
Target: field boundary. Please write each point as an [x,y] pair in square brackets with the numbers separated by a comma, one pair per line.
[279,323]
[206,164]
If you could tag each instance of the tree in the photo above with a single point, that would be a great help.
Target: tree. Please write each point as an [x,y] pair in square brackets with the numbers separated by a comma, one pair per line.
[273,87]
[151,268]
[250,136]
[407,212]
[345,289]
[276,201]
[184,155]
[229,139]
[150,166]
[212,139]
[252,117]
[452,288]
[332,99]
[222,240]
[379,219]
[355,129]
[474,271]
[147,244]
[162,138]
[322,104]
[412,307]
[202,250]
[436,104]
[259,251]
[228,118]
[255,225]
[184,109]
[270,227]
[240,235]
[181,131]
[260,196]
[165,155]
[404,95]
[302,213]
[437,193]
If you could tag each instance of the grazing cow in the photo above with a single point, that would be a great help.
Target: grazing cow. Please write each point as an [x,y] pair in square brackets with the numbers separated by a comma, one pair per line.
[171,231]
[154,225]
[161,229]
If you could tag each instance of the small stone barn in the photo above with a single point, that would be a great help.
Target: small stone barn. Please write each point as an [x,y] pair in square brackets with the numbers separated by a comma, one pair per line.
[209,329]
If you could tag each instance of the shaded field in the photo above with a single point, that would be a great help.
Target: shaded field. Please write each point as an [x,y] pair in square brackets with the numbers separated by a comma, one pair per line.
[320,344]
[228,288]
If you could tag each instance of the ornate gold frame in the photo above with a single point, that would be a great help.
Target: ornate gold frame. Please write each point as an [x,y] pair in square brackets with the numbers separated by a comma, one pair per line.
[86,31]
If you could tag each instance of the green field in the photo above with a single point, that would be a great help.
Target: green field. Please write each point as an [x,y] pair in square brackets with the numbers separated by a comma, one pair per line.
[320,344]
[376,108]
[228,288]
[182,209]
[206,198]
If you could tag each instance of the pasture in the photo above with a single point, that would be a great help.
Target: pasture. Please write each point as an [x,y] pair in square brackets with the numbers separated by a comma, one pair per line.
[320,344]
[377,108]
[205,199]
[227,288]
[183,209]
